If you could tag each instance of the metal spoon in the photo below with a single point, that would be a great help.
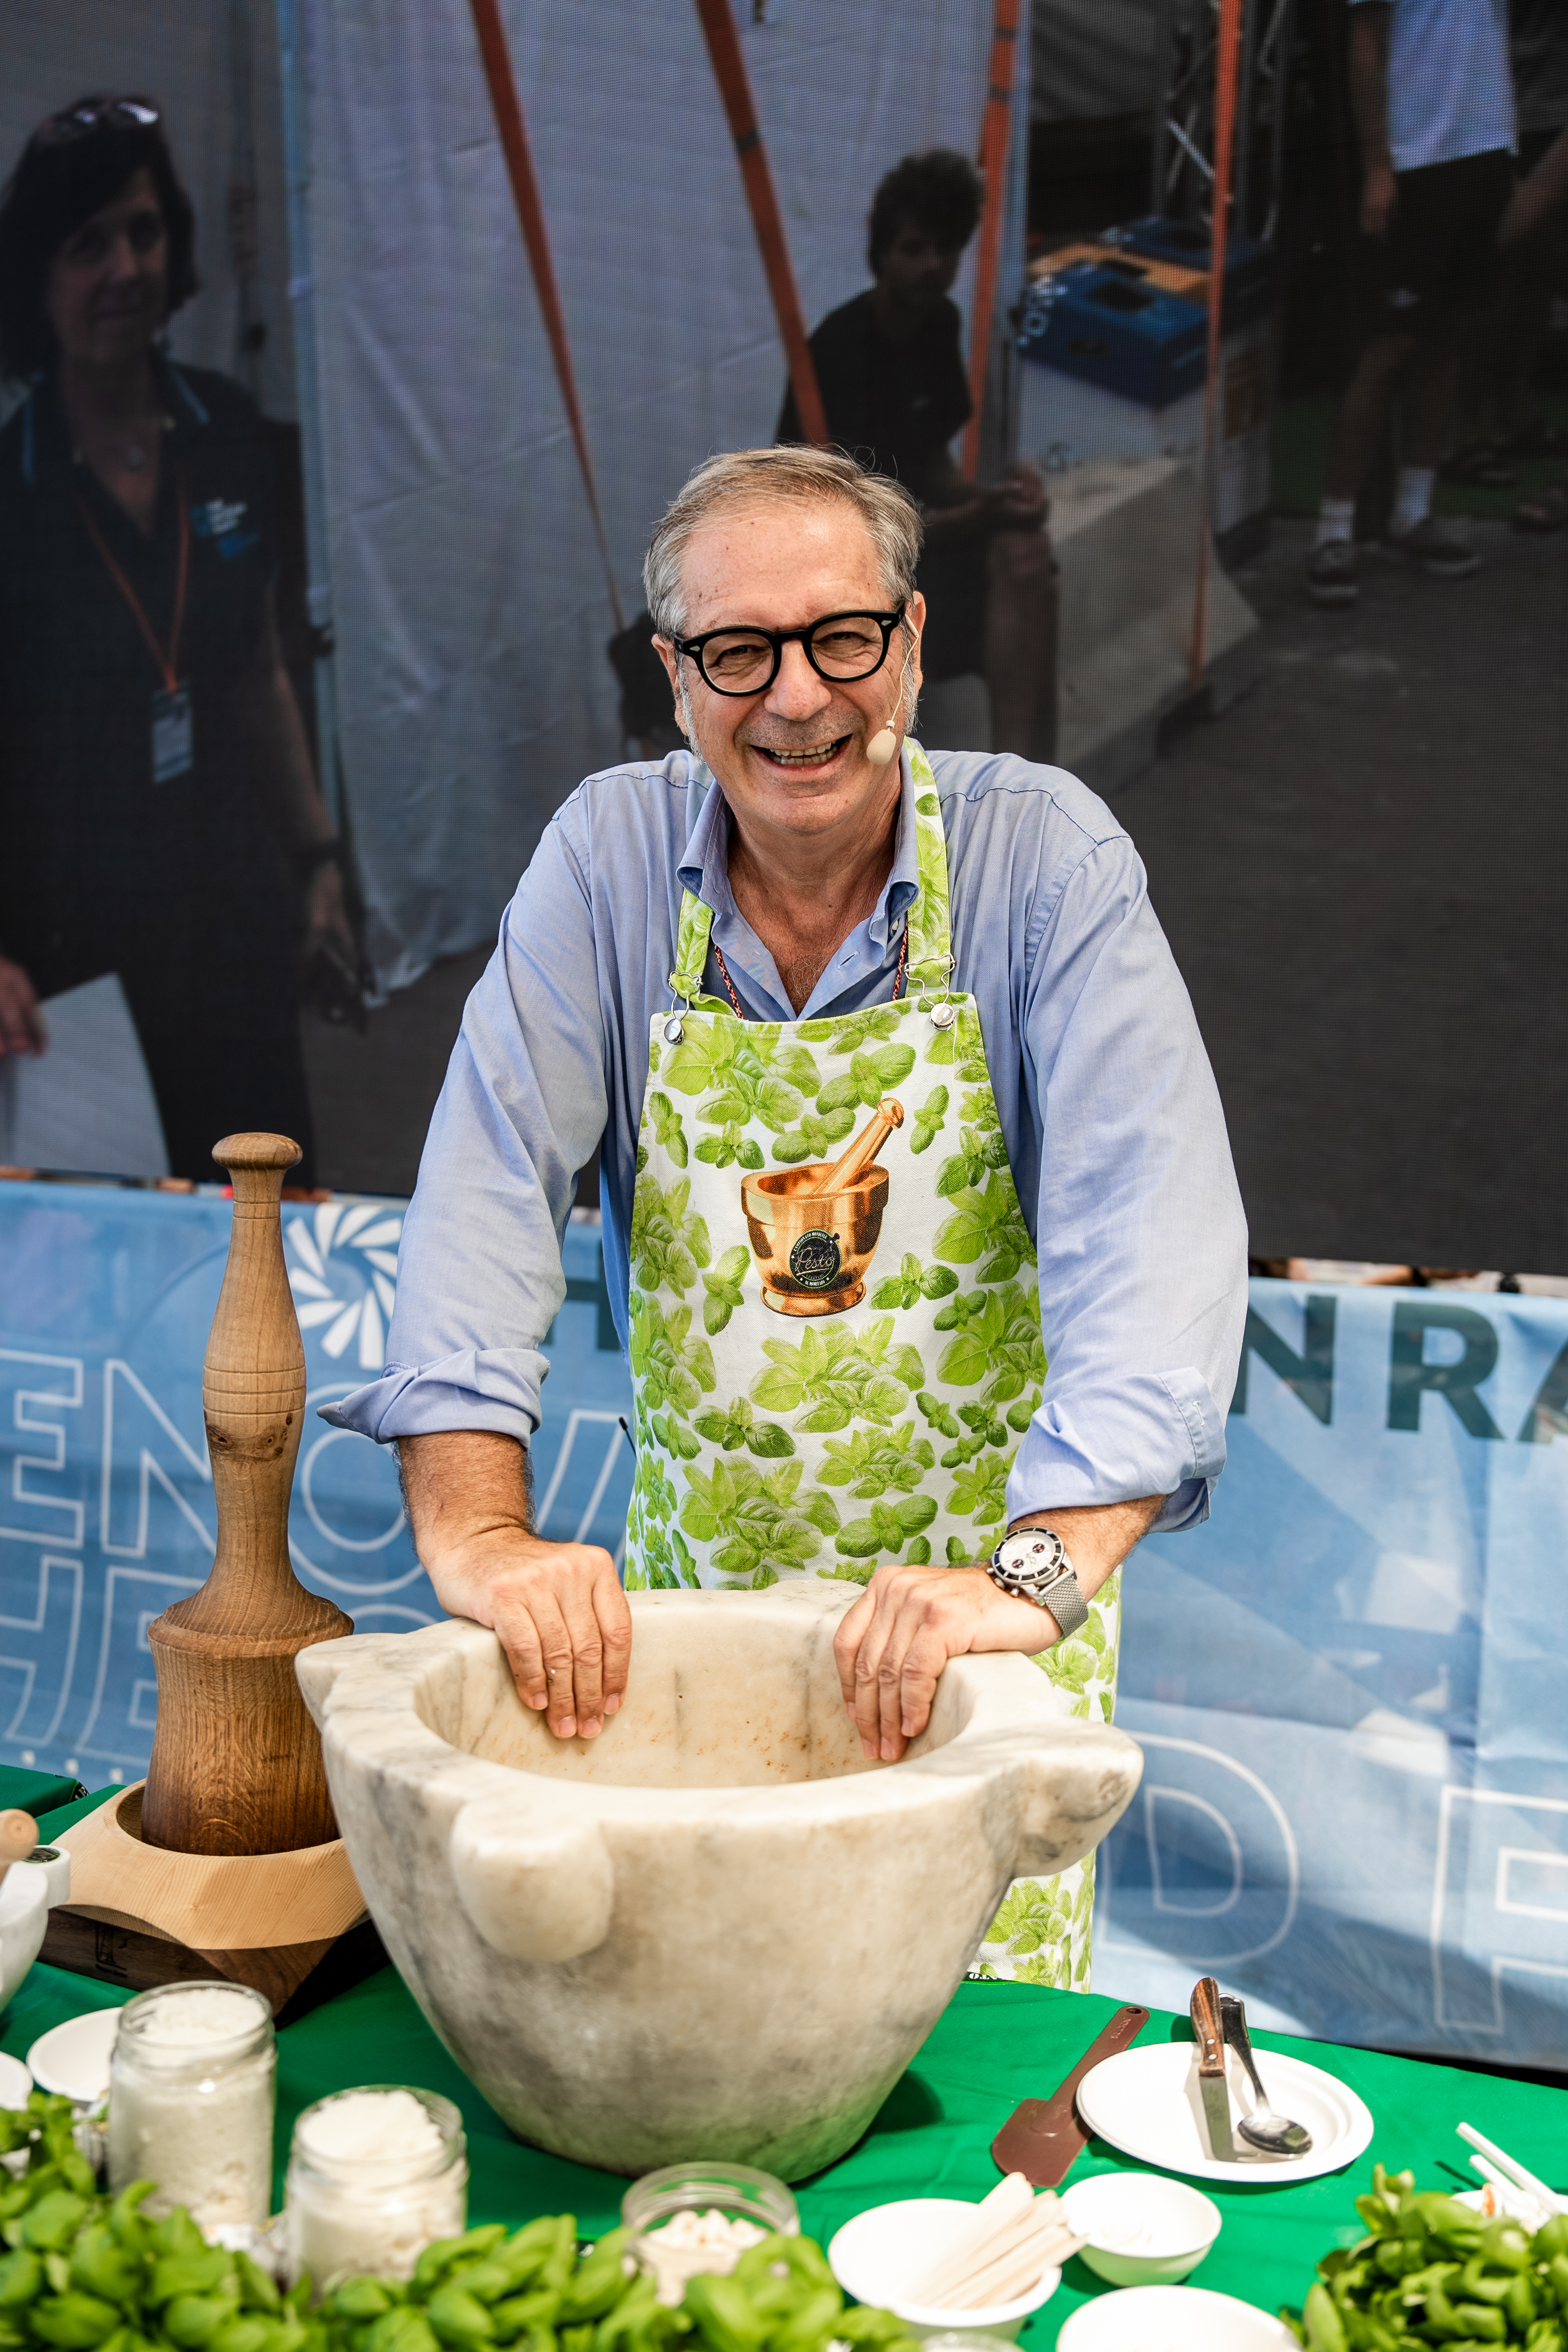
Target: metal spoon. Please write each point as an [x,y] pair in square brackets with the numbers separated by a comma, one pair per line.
[1264,2128]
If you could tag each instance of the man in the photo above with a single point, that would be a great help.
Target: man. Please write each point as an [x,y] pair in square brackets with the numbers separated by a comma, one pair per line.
[1433,101]
[957,957]
[894,391]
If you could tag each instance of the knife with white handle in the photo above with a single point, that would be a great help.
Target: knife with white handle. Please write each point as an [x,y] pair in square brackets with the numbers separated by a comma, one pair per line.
[1208,2032]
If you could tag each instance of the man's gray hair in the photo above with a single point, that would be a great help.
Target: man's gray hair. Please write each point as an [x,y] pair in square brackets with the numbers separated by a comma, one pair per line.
[786,476]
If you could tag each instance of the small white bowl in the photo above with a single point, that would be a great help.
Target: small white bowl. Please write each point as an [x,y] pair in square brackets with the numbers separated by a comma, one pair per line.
[1142,2228]
[877,2255]
[72,2059]
[15,2082]
[1176,2319]
[24,1916]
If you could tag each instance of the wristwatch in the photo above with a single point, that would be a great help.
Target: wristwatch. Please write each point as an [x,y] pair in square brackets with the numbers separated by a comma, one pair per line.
[1033,1566]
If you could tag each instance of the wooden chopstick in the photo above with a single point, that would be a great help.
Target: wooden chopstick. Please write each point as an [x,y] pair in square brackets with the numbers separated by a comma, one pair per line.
[1018,2246]
[1012,2199]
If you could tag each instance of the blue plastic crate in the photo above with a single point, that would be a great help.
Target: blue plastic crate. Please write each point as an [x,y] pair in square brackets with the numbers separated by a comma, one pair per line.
[1251,287]
[1095,321]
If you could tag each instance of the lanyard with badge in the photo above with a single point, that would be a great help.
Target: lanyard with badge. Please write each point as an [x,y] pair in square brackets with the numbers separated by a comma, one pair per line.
[173,744]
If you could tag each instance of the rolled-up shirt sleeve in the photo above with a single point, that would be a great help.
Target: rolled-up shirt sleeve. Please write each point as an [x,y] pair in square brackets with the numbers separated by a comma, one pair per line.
[523,1108]
[1139,1231]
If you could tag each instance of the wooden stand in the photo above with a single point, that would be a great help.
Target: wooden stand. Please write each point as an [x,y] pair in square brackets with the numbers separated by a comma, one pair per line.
[226,1861]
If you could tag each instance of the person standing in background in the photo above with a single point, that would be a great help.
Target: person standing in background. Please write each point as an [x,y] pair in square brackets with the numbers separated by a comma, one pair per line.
[889,368]
[1534,238]
[155,778]
[1432,98]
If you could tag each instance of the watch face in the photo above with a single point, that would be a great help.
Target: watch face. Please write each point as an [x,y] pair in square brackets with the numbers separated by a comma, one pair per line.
[1035,1556]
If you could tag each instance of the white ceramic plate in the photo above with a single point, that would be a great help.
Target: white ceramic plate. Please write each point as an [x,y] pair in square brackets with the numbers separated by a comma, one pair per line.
[1147,2102]
[72,2059]
[15,2082]
[1170,2319]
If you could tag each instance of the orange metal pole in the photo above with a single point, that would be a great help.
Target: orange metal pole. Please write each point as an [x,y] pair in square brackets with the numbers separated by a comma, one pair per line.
[507,108]
[1228,61]
[761,197]
[995,135]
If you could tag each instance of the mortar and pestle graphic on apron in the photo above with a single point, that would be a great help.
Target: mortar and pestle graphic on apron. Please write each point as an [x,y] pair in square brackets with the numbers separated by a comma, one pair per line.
[835,1343]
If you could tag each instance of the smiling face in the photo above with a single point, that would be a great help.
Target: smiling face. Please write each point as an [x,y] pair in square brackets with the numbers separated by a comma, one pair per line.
[793,756]
[107,291]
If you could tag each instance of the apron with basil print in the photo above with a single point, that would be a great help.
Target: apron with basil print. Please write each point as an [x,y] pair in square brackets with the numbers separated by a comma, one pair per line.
[826,1379]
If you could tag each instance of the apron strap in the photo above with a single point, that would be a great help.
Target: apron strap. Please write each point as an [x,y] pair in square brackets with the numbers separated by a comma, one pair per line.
[691,950]
[929,930]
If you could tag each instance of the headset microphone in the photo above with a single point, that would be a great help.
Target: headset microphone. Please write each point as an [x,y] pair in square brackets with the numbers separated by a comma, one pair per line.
[882,747]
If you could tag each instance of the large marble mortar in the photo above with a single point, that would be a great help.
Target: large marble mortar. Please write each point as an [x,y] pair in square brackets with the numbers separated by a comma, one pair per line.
[716,1930]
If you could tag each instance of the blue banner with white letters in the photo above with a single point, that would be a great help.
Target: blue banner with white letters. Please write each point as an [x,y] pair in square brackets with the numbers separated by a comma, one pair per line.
[106,1503]
[1347,1684]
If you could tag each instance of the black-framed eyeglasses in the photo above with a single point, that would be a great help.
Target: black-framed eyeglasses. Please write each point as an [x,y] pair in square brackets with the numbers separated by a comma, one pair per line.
[840,647]
[97,114]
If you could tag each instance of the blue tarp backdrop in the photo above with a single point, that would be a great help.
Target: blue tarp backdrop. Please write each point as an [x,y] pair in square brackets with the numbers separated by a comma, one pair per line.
[1348,1684]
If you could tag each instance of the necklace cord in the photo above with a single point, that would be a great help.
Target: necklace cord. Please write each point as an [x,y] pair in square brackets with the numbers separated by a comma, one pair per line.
[897,975]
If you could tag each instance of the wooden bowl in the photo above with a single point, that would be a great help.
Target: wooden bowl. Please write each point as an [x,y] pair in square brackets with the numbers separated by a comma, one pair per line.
[813,1253]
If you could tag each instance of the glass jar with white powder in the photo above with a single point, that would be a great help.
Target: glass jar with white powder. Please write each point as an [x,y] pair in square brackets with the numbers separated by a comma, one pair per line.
[373,2174]
[192,2088]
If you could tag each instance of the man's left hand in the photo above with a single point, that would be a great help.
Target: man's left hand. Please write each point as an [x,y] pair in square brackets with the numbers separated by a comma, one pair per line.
[892,1645]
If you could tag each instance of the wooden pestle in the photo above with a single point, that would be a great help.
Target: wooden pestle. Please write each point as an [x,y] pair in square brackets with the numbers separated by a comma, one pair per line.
[848,1171]
[236,1761]
[18,1836]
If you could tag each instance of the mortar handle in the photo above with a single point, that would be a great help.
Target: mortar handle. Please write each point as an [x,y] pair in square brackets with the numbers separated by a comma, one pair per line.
[537,1883]
[1075,1781]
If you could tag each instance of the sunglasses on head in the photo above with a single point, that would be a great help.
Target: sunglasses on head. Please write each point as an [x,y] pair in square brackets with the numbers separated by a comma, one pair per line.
[95,114]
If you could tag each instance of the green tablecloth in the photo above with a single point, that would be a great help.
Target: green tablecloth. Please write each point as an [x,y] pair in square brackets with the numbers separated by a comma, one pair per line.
[35,1792]
[995,2044]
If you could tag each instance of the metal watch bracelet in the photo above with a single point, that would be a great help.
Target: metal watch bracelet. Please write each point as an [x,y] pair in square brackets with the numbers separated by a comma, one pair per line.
[1039,1571]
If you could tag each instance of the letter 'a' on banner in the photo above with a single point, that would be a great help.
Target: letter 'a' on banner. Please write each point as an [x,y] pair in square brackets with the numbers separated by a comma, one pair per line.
[507,108]
[762,198]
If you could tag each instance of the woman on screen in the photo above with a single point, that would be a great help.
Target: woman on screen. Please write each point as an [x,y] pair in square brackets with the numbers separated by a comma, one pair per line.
[158,808]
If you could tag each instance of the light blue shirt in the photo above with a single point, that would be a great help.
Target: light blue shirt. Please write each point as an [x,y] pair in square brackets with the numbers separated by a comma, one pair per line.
[1109,1108]
[1450,81]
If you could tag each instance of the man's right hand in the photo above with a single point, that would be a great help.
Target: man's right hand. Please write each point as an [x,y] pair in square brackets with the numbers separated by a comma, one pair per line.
[558,1607]
[1379,195]
[22,1029]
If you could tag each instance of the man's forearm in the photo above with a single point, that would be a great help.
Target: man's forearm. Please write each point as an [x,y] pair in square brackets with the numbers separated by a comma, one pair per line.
[1097,1536]
[1369,81]
[462,1485]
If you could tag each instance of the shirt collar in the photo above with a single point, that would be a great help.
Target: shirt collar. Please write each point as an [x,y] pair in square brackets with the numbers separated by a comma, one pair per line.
[46,429]
[704,866]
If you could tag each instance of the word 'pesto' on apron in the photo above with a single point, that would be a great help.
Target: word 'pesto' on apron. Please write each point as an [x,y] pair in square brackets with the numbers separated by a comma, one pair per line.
[829,1375]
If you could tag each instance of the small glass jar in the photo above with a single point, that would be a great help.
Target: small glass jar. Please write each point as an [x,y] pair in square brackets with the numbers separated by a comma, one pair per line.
[371,2182]
[191,2090]
[734,2192]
